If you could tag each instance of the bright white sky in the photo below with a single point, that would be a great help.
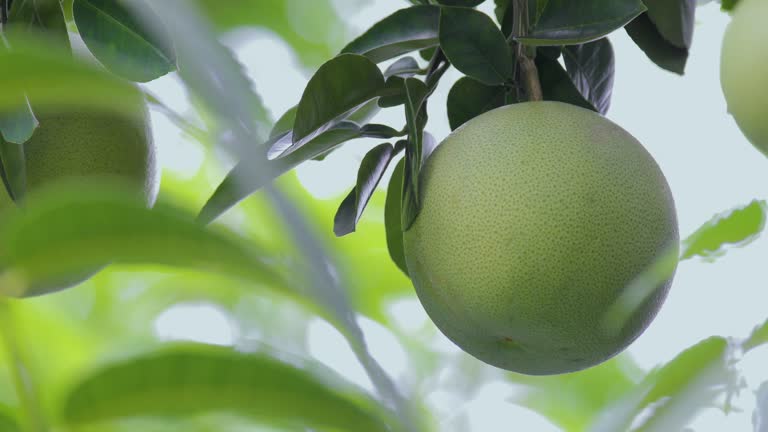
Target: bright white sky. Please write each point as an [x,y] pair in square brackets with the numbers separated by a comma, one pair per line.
[683,123]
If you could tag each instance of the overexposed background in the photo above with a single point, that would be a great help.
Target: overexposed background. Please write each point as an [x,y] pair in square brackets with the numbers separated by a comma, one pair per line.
[682,121]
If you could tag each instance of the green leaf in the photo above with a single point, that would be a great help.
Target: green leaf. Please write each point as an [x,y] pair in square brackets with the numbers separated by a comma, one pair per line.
[504,12]
[475,46]
[38,69]
[682,387]
[729,5]
[572,401]
[193,379]
[392,217]
[369,175]
[120,42]
[674,20]
[758,337]
[13,167]
[664,54]
[738,227]
[39,16]
[338,87]
[404,67]
[568,22]
[469,98]
[8,421]
[416,92]
[73,227]
[557,85]
[591,67]
[411,29]
[17,126]
[461,3]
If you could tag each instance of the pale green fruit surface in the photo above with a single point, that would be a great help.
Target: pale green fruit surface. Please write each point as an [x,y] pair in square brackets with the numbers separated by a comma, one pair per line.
[534,218]
[96,146]
[744,70]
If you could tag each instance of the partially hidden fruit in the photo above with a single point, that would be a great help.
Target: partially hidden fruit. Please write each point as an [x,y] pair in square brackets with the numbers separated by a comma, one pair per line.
[89,145]
[744,70]
[534,219]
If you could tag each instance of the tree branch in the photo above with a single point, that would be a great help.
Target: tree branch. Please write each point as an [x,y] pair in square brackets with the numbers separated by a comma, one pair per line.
[527,73]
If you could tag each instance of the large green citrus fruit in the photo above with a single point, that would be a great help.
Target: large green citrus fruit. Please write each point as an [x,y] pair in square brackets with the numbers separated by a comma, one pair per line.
[744,70]
[96,146]
[534,219]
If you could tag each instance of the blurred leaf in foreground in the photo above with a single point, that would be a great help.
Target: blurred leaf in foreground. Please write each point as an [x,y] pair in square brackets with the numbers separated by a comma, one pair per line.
[739,227]
[193,379]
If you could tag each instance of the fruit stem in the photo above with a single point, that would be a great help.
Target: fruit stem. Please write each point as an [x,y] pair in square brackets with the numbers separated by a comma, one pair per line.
[527,73]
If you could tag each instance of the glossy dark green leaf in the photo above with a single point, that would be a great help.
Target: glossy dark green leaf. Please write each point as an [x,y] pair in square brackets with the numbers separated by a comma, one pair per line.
[568,22]
[677,391]
[40,70]
[475,46]
[39,16]
[674,20]
[504,12]
[338,87]
[572,401]
[193,379]
[369,175]
[557,85]
[406,30]
[13,168]
[591,67]
[664,54]
[469,98]
[72,227]
[461,3]
[404,67]
[393,219]
[17,126]
[393,93]
[416,92]
[758,337]
[120,42]
[739,227]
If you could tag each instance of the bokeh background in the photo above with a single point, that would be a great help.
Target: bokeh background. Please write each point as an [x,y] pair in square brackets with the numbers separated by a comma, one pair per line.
[681,120]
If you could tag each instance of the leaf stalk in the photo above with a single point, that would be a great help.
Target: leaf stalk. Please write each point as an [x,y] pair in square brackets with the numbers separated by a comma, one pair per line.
[527,73]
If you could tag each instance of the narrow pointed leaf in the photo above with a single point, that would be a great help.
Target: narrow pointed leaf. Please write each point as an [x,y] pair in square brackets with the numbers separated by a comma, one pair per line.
[591,67]
[675,20]
[475,45]
[758,337]
[410,29]
[568,22]
[73,227]
[369,175]
[405,67]
[663,53]
[416,92]
[120,42]
[557,85]
[739,227]
[338,87]
[194,379]
[392,217]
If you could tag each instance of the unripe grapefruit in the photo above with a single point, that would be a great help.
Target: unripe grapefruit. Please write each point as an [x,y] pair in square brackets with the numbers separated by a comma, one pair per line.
[744,70]
[534,219]
[96,146]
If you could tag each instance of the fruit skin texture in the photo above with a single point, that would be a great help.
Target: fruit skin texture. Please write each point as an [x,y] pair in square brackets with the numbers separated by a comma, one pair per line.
[744,70]
[534,218]
[87,144]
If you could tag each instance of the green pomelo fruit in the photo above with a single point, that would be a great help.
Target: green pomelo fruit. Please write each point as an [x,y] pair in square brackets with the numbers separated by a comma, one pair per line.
[534,219]
[744,70]
[96,146]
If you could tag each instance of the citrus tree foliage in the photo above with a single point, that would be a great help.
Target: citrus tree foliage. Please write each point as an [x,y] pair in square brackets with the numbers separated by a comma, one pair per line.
[86,359]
